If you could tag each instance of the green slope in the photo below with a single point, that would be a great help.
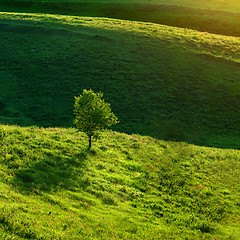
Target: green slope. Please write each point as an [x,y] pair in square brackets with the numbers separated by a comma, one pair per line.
[221,17]
[230,5]
[167,82]
[126,187]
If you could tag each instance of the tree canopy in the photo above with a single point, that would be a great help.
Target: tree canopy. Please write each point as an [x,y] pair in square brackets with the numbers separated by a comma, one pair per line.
[92,114]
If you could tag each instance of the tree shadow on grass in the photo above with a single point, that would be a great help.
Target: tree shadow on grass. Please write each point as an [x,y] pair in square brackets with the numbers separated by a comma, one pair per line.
[52,173]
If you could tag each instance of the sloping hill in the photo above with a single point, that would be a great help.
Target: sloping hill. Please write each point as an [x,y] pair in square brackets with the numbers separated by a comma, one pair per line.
[216,16]
[167,82]
[126,187]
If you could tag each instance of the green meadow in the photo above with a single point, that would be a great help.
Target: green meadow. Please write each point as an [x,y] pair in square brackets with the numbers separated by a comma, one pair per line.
[170,169]
[166,82]
[125,187]
[215,16]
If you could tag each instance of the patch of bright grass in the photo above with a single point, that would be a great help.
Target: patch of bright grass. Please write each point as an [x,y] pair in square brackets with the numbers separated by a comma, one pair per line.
[126,187]
[221,17]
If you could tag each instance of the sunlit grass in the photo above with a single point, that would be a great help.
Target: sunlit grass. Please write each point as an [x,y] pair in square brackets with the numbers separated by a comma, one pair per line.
[230,5]
[220,17]
[221,46]
[126,187]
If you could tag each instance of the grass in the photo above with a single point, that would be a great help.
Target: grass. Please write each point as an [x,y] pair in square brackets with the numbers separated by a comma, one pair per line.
[179,84]
[168,82]
[126,187]
[220,17]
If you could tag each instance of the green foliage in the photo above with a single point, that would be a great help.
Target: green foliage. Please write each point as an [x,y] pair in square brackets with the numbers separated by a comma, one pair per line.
[2,134]
[93,114]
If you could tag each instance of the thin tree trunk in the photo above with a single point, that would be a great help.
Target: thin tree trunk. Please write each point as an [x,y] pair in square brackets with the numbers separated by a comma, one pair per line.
[90,142]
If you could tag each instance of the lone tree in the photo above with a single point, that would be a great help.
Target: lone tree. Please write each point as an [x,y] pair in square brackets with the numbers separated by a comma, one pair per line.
[92,114]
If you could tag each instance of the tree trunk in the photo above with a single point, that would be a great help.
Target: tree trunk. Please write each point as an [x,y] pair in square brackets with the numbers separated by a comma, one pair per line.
[90,142]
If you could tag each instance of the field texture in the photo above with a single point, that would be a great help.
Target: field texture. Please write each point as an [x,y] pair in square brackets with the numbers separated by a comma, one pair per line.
[126,187]
[167,82]
[178,82]
[221,17]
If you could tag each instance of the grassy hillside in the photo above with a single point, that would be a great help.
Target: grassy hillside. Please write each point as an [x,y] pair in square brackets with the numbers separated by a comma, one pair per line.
[230,5]
[126,187]
[221,17]
[177,84]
